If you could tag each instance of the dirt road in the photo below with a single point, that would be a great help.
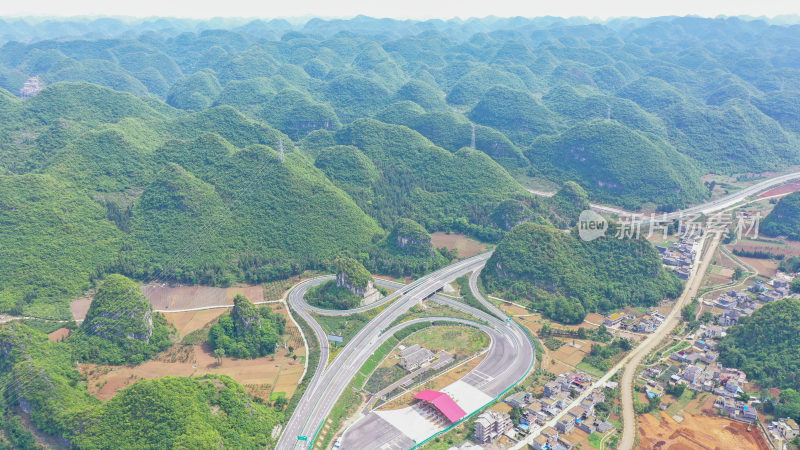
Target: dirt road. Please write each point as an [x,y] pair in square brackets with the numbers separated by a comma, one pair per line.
[672,320]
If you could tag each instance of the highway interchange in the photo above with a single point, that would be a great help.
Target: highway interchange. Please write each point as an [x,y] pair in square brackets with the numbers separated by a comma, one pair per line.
[330,380]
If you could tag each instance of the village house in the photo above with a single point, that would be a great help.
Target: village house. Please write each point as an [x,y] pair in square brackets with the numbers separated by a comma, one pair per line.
[787,429]
[692,374]
[490,425]
[726,302]
[539,442]
[552,388]
[561,444]
[519,399]
[577,412]
[550,433]
[729,318]
[414,357]
[587,425]
[604,427]
[566,424]
[614,319]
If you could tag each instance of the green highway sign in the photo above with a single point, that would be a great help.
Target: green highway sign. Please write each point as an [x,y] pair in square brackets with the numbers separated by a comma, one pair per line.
[302,438]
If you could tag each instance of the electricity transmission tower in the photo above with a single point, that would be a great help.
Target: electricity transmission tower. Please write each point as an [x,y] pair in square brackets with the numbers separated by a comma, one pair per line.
[473,136]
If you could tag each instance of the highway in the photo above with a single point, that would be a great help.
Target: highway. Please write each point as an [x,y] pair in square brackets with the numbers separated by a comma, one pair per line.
[732,199]
[711,207]
[509,359]
[327,384]
[400,289]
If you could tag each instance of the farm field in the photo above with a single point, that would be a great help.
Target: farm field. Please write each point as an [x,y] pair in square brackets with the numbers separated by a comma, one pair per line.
[261,376]
[165,298]
[188,297]
[264,377]
[466,246]
[781,190]
[696,431]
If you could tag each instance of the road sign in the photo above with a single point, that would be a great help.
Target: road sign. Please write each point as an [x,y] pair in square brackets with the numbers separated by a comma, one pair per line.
[302,438]
[335,338]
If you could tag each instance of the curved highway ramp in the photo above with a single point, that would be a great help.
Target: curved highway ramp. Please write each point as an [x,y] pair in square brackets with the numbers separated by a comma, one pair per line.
[510,357]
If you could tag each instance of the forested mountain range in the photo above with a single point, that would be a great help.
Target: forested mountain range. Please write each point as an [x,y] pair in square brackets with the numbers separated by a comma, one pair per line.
[222,151]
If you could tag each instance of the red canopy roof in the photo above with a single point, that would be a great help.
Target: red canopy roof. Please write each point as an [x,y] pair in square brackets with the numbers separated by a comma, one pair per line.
[443,403]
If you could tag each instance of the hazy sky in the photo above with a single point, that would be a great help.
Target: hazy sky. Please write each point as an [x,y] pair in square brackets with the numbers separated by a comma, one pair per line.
[422,9]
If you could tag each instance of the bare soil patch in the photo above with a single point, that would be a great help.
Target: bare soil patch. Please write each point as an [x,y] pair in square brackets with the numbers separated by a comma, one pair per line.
[80,307]
[262,376]
[59,335]
[194,360]
[765,267]
[466,246]
[794,186]
[186,322]
[696,431]
[573,352]
[164,297]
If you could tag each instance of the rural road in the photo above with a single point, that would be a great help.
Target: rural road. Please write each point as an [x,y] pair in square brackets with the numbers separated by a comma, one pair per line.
[329,382]
[672,320]
[631,361]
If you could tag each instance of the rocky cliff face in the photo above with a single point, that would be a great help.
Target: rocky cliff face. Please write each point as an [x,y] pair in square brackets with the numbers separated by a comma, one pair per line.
[244,314]
[411,238]
[353,276]
[141,329]
[343,281]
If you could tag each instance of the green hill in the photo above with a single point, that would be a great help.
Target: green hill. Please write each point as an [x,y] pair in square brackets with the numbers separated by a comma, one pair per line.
[247,96]
[765,345]
[170,412]
[423,94]
[354,96]
[120,326]
[407,251]
[175,412]
[268,197]
[783,107]
[195,92]
[40,274]
[424,182]
[40,374]
[83,102]
[566,277]
[616,164]
[784,219]
[453,131]
[297,114]
[175,209]
[469,89]
[247,331]
[516,113]
[583,104]
[345,292]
